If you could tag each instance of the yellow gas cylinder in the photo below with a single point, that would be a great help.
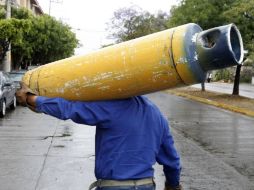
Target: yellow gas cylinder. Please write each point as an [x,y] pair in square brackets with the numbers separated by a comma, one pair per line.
[171,58]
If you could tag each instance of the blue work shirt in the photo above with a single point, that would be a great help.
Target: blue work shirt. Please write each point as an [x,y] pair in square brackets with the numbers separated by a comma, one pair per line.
[131,135]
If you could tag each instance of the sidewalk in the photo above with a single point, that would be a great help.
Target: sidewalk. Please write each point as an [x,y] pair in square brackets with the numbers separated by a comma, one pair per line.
[220,95]
[245,90]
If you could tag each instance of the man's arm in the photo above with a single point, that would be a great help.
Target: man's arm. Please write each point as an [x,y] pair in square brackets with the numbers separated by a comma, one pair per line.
[169,158]
[31,101]
[90,113]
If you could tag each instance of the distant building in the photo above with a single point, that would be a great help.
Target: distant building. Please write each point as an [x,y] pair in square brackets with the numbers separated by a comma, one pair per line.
[32,5]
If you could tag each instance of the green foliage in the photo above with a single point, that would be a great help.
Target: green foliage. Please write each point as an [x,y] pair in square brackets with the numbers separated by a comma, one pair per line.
[133,22]
[242,14]
[246,74]
[212,13]
[21,13]
[35,39]
[206,13]
[51,40]
[251,59]
[2,12]
[11,31]
[226,75]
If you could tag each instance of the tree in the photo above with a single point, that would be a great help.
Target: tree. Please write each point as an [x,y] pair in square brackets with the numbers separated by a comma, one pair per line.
[12,30]
[35,39]
[206,13]
[21,50]
[10,33]
[237,80]
[51,40]
[242,14]
[132,22]
[212,13]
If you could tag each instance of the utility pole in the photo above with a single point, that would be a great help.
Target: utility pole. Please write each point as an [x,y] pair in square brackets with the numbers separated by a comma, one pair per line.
[7,59]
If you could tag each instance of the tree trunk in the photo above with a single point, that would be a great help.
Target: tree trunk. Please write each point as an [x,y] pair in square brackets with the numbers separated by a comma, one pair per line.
[203,86]
[237,80]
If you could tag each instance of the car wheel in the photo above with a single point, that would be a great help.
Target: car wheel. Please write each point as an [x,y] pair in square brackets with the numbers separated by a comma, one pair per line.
[14,103]
[3,109]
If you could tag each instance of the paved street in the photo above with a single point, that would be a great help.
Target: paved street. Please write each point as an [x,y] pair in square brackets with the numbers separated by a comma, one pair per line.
[246,90]
[39,152]
[223,142]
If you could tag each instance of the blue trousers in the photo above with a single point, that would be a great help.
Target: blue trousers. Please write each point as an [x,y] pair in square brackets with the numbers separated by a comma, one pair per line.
[140,187]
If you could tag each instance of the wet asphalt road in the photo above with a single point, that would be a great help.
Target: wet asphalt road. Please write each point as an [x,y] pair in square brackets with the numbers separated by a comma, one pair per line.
[40,152]
[226,136]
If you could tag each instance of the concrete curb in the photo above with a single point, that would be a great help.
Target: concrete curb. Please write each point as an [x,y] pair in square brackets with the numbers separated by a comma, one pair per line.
[214,103]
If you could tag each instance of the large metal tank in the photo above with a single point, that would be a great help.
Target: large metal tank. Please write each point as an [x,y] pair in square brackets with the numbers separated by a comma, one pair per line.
[171,58]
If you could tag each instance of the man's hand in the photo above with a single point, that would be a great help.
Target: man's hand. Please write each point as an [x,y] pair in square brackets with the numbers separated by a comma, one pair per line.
[179,187]
[25,96]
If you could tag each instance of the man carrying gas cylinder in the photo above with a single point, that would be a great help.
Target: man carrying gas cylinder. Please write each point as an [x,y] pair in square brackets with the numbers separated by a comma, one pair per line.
[131,136]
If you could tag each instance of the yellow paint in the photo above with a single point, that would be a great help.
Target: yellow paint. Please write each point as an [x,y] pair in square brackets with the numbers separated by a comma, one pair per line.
[131,68]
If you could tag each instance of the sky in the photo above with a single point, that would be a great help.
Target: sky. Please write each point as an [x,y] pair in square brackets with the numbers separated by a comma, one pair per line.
[88,18]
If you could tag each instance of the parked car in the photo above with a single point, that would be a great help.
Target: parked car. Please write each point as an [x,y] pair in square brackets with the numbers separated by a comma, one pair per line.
[16,77]
[7,93]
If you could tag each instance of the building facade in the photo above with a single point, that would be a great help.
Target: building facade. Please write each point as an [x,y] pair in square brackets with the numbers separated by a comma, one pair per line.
[32,5]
